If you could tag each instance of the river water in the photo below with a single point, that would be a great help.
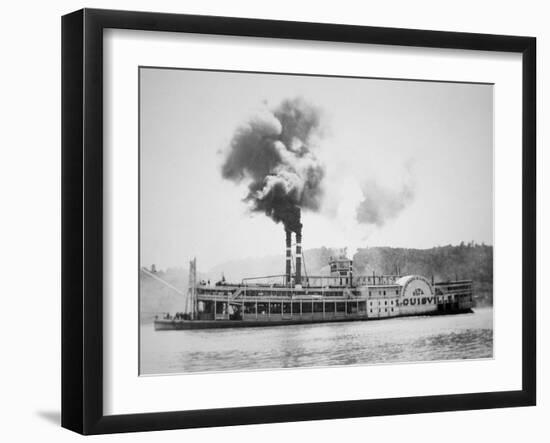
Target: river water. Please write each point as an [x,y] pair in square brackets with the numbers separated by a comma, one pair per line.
[410,339]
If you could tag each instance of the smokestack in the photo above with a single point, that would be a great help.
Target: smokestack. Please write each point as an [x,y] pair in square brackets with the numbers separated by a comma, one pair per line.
[298,279]
[288,256]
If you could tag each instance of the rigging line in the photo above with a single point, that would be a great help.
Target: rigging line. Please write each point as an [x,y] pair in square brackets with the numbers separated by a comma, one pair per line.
[304,263]
[163,282]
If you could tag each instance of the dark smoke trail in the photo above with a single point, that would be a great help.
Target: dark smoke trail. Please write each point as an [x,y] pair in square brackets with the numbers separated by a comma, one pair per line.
[273,153]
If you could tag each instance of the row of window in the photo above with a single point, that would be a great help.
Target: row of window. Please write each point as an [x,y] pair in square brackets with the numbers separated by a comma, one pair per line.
[380,292]
[380,310]
[451,288]
[385,302]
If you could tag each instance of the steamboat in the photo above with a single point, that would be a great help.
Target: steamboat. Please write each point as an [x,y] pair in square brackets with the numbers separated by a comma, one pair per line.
[297,298]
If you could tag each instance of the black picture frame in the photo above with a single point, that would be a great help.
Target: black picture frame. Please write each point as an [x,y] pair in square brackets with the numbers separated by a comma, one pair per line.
[82,218]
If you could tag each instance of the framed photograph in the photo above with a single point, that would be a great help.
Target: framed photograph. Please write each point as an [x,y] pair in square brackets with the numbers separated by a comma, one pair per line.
[269,221]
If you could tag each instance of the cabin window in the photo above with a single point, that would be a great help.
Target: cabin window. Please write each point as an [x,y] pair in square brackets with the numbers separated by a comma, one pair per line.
[384,292]
[386,302]
[396,292]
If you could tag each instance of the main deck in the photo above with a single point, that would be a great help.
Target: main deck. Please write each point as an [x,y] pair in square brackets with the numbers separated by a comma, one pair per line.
[237,306]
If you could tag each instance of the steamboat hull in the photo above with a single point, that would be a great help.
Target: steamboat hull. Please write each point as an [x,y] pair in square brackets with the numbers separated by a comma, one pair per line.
[175,325]
[340,297]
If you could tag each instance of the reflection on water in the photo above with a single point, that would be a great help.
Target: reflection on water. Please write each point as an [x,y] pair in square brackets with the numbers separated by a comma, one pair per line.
[410,339]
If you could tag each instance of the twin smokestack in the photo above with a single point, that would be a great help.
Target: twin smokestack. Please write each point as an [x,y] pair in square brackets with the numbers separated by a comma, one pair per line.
[298,275]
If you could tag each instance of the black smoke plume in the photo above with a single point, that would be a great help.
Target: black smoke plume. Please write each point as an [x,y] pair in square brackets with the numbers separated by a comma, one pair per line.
[274,154]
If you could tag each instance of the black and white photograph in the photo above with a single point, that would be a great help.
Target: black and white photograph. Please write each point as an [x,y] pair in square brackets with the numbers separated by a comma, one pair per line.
[296,221]
[268,222]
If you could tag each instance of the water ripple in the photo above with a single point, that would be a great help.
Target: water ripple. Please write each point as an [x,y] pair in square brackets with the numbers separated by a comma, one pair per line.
[413,339]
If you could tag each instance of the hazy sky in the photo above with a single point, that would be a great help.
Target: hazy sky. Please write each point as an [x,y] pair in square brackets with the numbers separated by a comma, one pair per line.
[417,156]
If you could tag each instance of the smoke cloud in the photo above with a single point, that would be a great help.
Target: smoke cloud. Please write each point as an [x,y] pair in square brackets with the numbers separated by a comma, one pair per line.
[274,154]
[382,204]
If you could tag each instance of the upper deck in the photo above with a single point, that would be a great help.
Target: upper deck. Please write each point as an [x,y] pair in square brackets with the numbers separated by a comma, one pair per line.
[377,286]
[277,281]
